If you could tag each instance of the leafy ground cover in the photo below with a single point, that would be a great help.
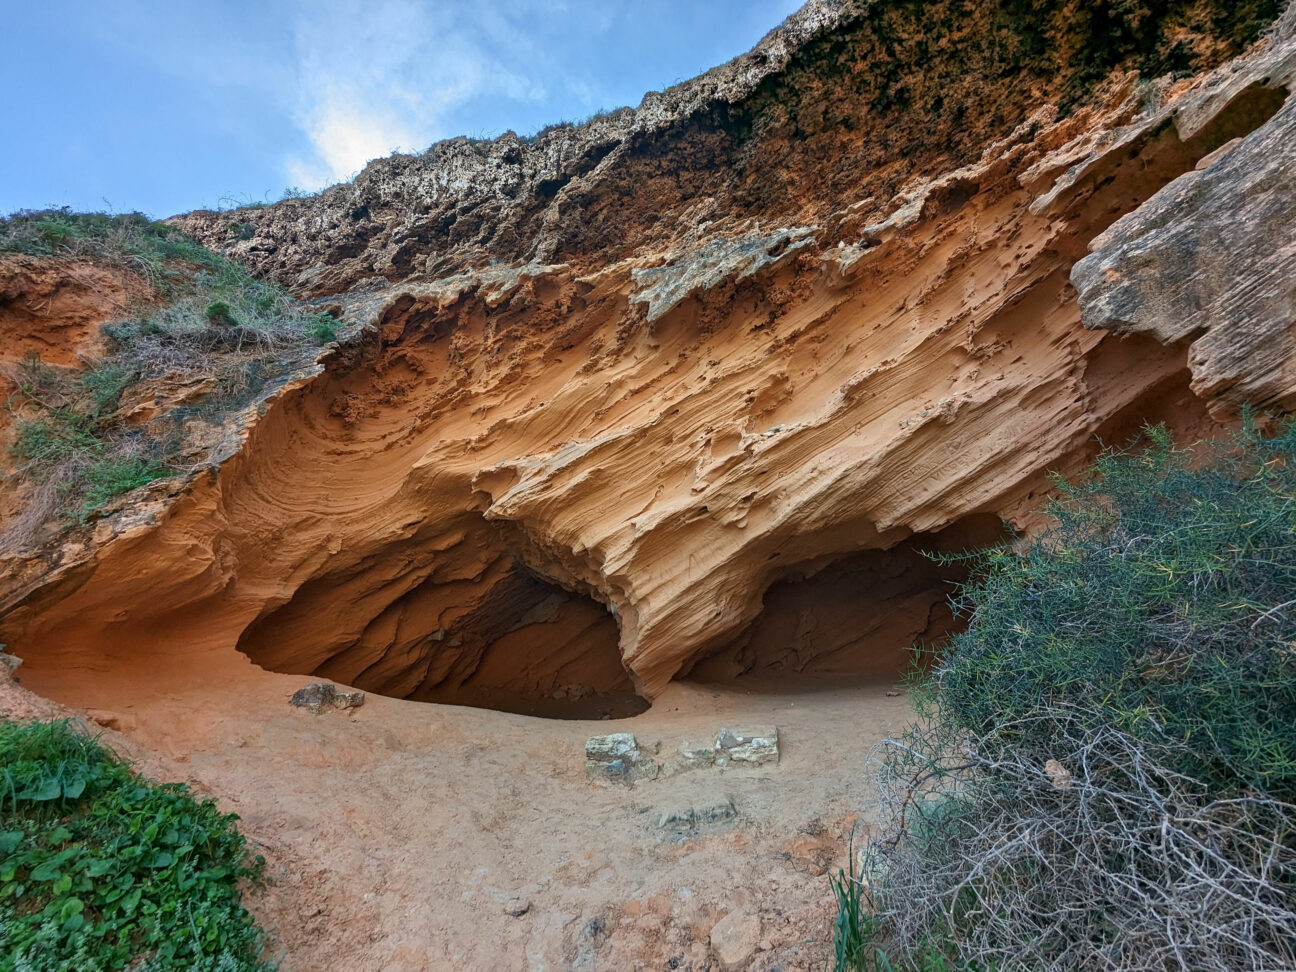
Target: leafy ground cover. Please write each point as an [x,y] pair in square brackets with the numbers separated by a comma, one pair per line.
[103,870]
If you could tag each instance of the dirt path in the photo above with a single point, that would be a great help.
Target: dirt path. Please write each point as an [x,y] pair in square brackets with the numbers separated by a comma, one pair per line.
[402,836]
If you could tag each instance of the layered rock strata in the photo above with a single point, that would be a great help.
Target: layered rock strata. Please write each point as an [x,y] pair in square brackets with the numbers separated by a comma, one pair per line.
[707,408]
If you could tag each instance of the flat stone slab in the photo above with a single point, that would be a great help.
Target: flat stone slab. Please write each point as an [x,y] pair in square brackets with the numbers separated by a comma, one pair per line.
[693,755]
[691,820]
[318,696]
[617,758]
[755,746]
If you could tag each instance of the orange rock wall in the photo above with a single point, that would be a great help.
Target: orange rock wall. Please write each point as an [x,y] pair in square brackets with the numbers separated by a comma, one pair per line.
[547,485]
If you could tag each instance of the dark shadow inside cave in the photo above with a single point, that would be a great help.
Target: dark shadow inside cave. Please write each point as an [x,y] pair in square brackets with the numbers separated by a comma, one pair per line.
[858,618]
[504,639]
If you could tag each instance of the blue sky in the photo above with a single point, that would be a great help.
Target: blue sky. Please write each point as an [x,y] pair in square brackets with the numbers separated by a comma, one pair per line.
[170,106]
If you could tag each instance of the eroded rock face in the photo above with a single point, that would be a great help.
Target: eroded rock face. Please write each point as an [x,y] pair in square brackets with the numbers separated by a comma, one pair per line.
[1211,260]
[845,102]
[714,441]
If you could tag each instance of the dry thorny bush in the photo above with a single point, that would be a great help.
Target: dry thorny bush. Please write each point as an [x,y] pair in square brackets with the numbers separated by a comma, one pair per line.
[1104,774]
[1091,854]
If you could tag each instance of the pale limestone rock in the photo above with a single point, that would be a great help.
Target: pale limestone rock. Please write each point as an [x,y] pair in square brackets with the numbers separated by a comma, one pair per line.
[734,939]
[691,820]
[517,907]
[1211,258]
[617,758]
[318,696]
[756,746]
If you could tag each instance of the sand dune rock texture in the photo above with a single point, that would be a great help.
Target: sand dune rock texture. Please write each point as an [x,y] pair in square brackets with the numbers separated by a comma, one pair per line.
[690,388]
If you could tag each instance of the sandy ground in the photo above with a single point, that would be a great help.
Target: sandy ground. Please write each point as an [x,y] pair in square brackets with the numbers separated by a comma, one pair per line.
[403,835]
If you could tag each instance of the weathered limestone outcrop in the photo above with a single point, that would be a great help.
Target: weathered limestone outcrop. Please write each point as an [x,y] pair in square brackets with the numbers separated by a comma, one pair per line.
[1211,258]
[846,102]
[720,389]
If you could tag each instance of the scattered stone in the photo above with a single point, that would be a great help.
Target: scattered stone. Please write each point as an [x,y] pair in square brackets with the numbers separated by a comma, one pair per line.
[734,939]
[594,928]
[318,696]
[697,754]
[717,813]
[689,820]
[679,821]
[517,907]
[9,664]
[615,745]
[348,700]
[616,758]
[755,746]
[312,697]
[691,756]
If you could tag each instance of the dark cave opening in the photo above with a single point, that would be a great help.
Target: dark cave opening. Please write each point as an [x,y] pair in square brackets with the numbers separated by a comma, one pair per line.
[858,618]
[504,638]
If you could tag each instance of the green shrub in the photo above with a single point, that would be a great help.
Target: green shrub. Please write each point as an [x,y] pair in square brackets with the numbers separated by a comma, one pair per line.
[67,442]
[323,328]
[113,476]
[1162,600]
[105,383]
[1104,776]
[218,314]
[102,870]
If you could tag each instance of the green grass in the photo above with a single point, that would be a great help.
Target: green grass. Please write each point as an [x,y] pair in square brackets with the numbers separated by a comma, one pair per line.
[208,317]
[111,477]
[859,936]
[323,328]
[103,870]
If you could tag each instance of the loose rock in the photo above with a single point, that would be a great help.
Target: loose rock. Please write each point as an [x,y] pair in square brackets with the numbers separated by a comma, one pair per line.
[748,745]
[616,758]
[690,820]
[717,813]
[693,755]
[318,696]
[679,821]
[517,907]
[734,939]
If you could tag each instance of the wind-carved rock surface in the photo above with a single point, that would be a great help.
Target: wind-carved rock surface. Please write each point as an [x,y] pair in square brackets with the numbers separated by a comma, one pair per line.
[715,396]
[1211,258]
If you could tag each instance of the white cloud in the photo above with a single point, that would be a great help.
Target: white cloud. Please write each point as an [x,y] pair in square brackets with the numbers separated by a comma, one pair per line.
[381,75]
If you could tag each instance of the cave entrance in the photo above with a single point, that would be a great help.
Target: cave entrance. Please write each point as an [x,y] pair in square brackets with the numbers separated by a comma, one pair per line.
[858,618]
[499,638]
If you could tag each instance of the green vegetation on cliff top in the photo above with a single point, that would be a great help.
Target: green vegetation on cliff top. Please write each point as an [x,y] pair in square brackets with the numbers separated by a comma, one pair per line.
[205,335]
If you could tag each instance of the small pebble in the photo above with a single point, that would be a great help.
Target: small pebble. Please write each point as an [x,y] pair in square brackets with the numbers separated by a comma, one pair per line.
[517,907]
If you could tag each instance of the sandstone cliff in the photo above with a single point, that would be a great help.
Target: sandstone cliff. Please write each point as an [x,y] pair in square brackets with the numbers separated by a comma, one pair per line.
[689,388]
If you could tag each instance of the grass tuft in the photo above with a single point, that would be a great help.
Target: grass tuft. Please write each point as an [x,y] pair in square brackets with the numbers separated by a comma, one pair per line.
[210,319]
